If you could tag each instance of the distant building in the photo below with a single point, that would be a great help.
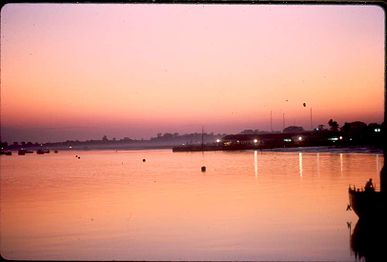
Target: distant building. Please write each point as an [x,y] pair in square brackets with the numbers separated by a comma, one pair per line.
[293,129]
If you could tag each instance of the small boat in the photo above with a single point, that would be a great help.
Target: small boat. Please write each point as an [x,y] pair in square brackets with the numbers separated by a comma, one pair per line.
[21,152]
[368,205]
[42,151]
[7,153]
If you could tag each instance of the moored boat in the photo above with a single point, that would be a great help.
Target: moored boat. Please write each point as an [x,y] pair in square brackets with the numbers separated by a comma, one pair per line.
[42,151]
[7,153]
[368,205]
[23,151]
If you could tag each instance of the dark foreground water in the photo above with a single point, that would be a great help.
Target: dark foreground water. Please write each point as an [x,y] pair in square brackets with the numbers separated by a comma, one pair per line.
[249,205]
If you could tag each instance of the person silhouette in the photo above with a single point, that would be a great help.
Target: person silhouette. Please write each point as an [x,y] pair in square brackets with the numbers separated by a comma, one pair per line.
[369,187]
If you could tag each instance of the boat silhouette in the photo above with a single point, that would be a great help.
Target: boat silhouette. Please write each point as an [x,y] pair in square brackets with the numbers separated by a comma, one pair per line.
[23,151]
[368,240]
[41,151]
[368,205]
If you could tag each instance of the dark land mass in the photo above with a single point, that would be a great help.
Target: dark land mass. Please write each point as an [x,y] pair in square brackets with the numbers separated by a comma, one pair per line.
[351,137]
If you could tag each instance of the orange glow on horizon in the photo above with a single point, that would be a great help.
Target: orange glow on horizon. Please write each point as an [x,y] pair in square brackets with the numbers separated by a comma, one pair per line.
[176,65]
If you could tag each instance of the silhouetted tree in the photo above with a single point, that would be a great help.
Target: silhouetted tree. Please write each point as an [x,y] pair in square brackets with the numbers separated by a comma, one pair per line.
[372,126]
[334,126]
[105,139]
[293,129]
[355,128]
[247,131]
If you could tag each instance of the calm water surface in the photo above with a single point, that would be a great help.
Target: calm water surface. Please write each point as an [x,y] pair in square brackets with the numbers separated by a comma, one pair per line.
[249,205]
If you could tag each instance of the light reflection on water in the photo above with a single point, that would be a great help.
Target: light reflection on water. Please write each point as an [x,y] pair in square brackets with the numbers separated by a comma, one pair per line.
[249,205]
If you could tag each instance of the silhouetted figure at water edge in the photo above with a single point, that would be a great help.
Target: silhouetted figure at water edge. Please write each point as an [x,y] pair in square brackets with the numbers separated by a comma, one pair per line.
[369,187]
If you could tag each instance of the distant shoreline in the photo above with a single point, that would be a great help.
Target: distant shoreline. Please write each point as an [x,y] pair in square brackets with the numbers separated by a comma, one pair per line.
[315,149]
[327,149]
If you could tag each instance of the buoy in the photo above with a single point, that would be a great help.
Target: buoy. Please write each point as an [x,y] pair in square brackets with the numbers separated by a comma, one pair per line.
[143,160]
[203,168]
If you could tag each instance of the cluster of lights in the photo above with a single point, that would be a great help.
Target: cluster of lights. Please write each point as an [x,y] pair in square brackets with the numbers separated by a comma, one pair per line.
[335,138]
[377,130]
[287,140]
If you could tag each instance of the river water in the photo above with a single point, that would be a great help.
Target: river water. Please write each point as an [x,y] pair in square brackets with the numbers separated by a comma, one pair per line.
[248,205]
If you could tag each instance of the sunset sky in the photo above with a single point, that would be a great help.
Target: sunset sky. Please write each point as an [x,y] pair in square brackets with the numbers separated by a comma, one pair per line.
[81,71]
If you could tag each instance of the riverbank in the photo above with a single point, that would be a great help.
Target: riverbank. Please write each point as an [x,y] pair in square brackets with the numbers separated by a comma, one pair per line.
[328,149]
[314,149]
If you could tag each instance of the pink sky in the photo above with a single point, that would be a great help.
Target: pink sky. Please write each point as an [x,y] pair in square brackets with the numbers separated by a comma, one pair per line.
[80,71]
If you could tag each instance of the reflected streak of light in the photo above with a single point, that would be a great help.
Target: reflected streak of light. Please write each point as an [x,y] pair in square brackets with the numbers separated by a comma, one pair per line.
[300,162]
[255,163]
[318,164]
[341,164]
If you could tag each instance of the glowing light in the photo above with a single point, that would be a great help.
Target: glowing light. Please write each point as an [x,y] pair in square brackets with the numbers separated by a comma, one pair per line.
[255,141]
[377,130]
[340,137]
[287,140]
[217,140]
[300,138]
[70,147]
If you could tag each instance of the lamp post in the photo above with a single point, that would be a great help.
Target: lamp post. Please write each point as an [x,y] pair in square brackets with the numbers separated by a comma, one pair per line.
[311,116]
[311,119]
